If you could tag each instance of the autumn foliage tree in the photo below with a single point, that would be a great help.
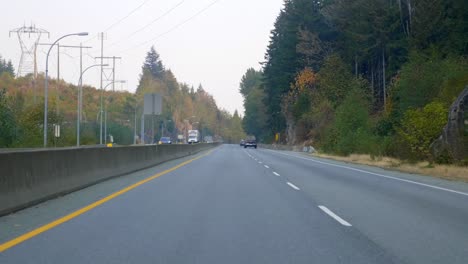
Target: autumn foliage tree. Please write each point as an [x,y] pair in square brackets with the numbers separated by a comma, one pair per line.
[21,110]
[184,107]
[391,57]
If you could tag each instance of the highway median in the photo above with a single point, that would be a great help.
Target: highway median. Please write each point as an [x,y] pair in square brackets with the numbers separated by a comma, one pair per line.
[29,177]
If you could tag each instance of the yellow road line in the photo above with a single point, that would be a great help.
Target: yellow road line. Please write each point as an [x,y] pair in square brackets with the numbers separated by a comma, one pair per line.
[85,209]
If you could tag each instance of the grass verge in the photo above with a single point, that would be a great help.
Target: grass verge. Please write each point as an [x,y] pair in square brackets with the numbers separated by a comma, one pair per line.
[448,172]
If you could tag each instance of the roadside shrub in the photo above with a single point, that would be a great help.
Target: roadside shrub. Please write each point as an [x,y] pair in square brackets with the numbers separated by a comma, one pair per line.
[426,78]
[420,127]
[352,128]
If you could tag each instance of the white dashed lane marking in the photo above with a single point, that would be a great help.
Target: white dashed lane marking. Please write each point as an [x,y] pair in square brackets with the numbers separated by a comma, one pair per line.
[334,216]
[294,186]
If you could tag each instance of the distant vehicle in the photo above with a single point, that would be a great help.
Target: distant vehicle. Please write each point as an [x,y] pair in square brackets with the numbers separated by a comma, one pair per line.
[242,143]
[193,136]
[208,139]
[180,139]
[165,140]
[250,142]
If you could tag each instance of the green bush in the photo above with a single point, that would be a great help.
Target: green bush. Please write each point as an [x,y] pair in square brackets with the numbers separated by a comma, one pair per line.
[420,127]
[426,78]
[351,132]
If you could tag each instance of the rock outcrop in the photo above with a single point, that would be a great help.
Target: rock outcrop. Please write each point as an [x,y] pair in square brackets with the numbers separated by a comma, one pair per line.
[453,143]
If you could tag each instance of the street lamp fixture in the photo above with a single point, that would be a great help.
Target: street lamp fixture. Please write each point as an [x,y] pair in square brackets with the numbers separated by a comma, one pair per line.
[46,82]
[80,102]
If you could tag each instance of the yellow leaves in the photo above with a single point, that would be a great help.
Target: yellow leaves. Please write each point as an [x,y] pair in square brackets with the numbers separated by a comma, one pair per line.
[305,82]
[306,79]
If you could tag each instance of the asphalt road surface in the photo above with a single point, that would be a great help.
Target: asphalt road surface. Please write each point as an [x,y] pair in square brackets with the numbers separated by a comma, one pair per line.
[232,205]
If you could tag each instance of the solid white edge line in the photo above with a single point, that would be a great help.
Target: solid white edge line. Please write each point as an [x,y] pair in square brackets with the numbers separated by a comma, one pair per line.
[293,186]
[275,173]
[334,216]
[266,166]
[377,174]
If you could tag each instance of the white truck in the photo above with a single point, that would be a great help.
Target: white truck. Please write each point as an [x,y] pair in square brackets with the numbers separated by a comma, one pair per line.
[193,136]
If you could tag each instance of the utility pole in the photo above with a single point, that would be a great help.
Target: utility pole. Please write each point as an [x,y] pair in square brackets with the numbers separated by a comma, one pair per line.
[113,79]
[152,129]
[113,74]
[102,72]
[58,81]
[134,126]
[142,129]
[113,58]
[58,64]
[80,94]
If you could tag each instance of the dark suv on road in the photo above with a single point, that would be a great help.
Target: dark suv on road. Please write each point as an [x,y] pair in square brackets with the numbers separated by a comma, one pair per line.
[250,143]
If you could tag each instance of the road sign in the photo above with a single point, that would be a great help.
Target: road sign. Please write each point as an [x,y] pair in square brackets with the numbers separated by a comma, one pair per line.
[152,104]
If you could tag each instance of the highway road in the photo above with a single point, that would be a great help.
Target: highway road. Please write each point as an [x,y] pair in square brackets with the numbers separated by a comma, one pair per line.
[232,205]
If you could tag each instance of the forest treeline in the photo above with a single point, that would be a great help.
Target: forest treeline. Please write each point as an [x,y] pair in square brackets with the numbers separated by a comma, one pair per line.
[358,76]
[184,107]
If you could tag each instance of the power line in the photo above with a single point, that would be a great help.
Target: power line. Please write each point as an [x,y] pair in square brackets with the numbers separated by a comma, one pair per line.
[150,23]
[129,14]
[175,27]
[120,20]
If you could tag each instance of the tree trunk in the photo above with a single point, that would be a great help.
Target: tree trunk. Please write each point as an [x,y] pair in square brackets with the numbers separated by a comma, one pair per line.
[401,15]
[372,79]
[410,15]
[356,72]
[383,79]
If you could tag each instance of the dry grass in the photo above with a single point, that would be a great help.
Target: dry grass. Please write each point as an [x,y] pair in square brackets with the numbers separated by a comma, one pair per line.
[449,172]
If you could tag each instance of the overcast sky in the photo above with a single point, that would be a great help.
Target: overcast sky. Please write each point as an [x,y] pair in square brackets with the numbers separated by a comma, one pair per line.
[213,48]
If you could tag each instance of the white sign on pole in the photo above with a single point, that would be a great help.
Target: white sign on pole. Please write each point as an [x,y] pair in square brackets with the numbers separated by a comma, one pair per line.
[57,130]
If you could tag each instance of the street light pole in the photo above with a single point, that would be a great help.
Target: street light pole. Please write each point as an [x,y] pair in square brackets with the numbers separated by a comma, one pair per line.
[105,109]
[80,102]
[46,82]
[113,80]
[134,125]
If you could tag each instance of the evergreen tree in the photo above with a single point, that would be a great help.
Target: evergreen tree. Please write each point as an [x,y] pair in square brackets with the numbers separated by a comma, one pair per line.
[7,122]
[153,64]
[10,69]
[301,38]
[6,67]
[254,121]
[249,81]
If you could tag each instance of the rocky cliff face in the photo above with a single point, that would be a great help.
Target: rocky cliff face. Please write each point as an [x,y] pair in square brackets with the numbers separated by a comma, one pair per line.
[453,143]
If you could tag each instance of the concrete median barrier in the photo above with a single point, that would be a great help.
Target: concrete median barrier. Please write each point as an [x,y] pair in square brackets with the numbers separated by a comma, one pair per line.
[28,177]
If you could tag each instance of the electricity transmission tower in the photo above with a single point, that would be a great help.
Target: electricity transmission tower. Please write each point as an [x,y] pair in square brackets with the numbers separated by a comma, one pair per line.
[28,63]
